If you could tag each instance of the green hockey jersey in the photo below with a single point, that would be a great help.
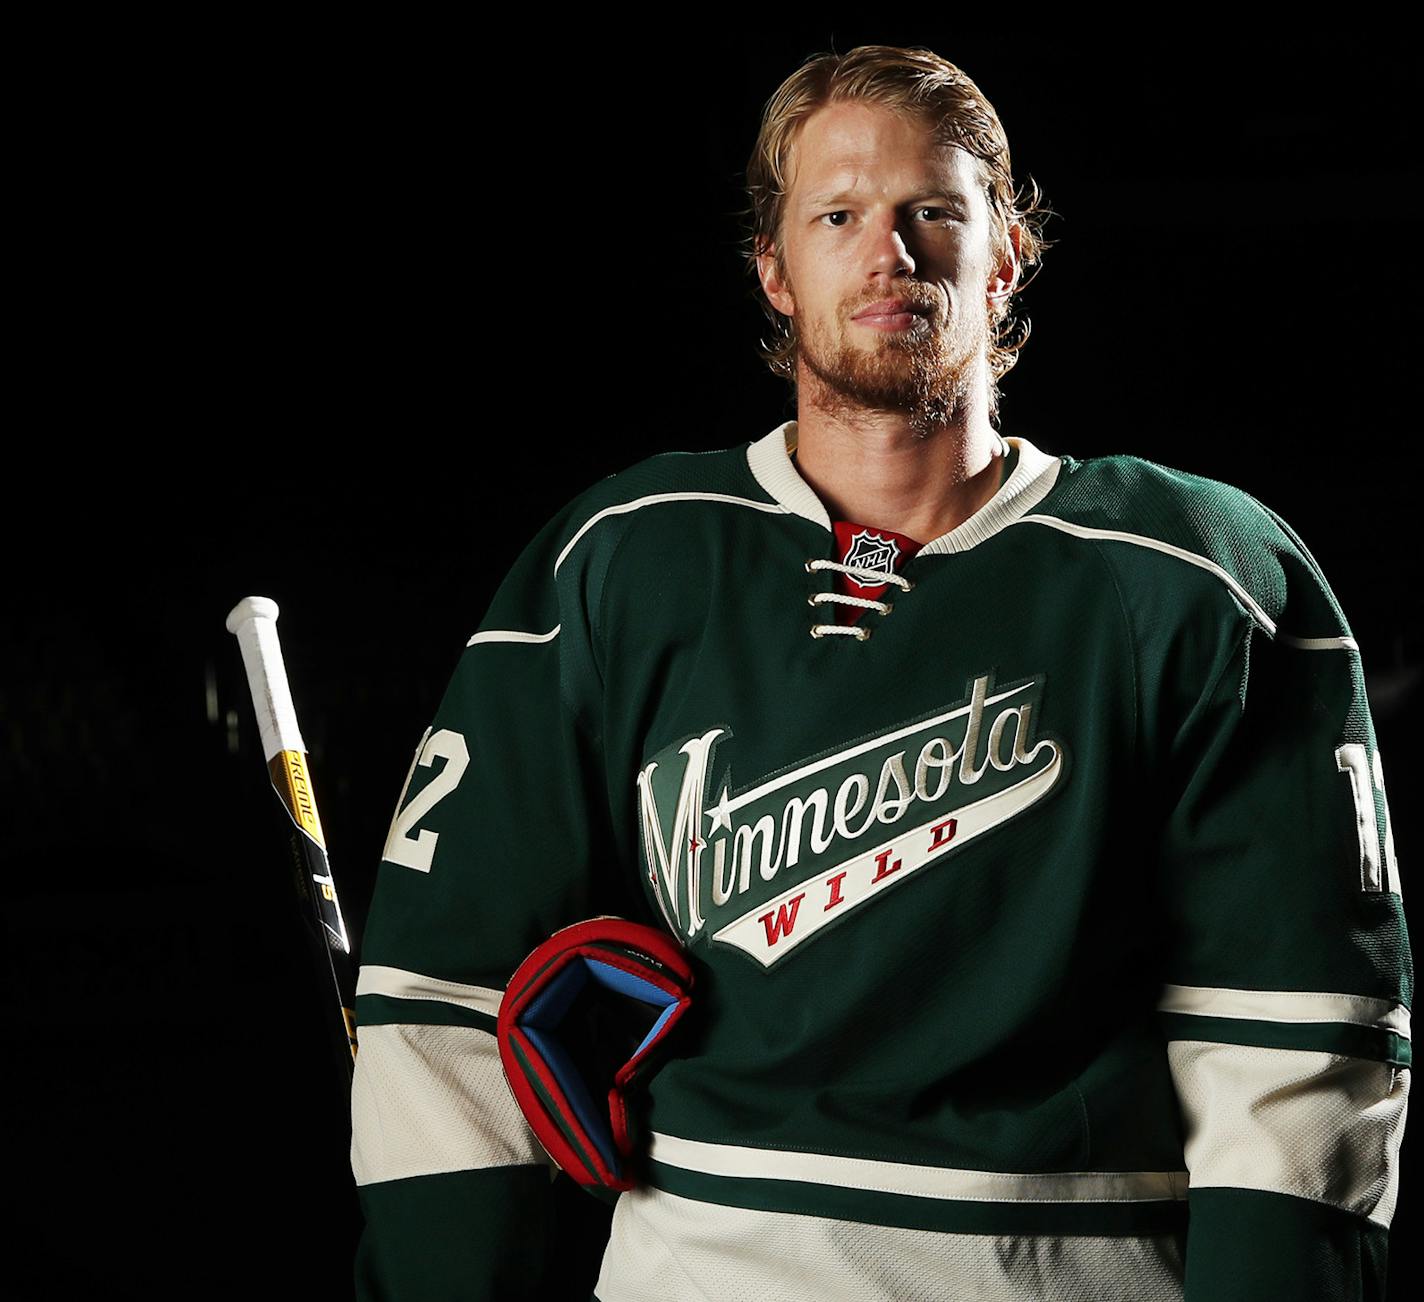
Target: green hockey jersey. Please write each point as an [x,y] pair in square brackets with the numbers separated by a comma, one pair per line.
[1042,903]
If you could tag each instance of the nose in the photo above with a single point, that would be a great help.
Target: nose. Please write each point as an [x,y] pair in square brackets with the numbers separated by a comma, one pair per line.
[888,251]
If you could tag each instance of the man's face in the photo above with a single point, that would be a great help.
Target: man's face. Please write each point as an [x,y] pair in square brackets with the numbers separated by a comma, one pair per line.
[878,212]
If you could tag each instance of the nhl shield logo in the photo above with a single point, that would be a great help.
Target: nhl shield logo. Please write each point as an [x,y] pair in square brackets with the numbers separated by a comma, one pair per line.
[872,552]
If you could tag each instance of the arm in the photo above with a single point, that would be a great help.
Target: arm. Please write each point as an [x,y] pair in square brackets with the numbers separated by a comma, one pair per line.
[502,835]
[1287,969]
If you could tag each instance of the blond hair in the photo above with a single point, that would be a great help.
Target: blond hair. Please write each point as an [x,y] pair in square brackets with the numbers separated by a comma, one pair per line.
[914,81]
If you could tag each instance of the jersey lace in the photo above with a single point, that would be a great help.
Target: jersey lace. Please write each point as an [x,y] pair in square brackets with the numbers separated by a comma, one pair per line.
[863,575]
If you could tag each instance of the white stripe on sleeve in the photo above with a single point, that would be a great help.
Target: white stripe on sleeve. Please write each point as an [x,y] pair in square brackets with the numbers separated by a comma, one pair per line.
[431,1099]
[397,983]
[1301,1007]
[1313,1125]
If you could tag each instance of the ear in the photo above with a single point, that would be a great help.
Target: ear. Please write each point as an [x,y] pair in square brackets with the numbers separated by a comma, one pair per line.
[1006,277]
[774,285]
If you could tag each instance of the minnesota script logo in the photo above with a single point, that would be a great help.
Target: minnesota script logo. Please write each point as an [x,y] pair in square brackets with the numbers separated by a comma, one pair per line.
[771,868]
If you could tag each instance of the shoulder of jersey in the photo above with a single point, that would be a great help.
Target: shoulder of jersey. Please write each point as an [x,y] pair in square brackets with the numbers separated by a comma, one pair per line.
[603,507]
[719,471]
[577,543]
[1143,510]
[573,550]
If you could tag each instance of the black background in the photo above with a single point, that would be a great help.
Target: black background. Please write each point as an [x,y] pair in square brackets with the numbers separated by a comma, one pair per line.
[343,316]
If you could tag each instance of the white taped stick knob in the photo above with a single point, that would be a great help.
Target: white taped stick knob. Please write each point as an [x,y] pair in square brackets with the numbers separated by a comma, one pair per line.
[253,621]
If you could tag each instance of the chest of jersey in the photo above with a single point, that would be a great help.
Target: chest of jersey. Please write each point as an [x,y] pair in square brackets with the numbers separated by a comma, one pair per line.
[784,789]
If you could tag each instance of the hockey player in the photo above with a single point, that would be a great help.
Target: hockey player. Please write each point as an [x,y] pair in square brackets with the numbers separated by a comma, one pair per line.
[1021,817]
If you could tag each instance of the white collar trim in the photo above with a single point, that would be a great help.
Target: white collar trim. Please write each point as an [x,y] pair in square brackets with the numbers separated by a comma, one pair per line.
[1035,474]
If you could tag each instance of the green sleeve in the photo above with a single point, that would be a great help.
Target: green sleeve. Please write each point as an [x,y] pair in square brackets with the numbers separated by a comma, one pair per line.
[1285,958]
[467,1236]
[503,834]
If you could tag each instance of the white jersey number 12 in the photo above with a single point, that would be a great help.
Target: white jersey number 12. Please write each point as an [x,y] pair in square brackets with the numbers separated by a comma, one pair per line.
[404,845]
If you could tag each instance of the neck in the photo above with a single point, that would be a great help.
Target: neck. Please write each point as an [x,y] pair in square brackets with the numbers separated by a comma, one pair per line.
[876,466]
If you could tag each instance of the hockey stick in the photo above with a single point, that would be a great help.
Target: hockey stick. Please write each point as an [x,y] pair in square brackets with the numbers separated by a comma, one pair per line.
[254,623]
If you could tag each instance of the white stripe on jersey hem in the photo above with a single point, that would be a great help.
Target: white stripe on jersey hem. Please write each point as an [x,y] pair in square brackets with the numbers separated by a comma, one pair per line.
[662,1245]
[511,635]
[1298,1006]
[397,983]
[769,459]
[947,1183]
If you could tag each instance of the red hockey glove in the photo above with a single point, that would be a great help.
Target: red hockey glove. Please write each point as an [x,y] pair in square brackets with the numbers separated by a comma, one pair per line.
[581,1020]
